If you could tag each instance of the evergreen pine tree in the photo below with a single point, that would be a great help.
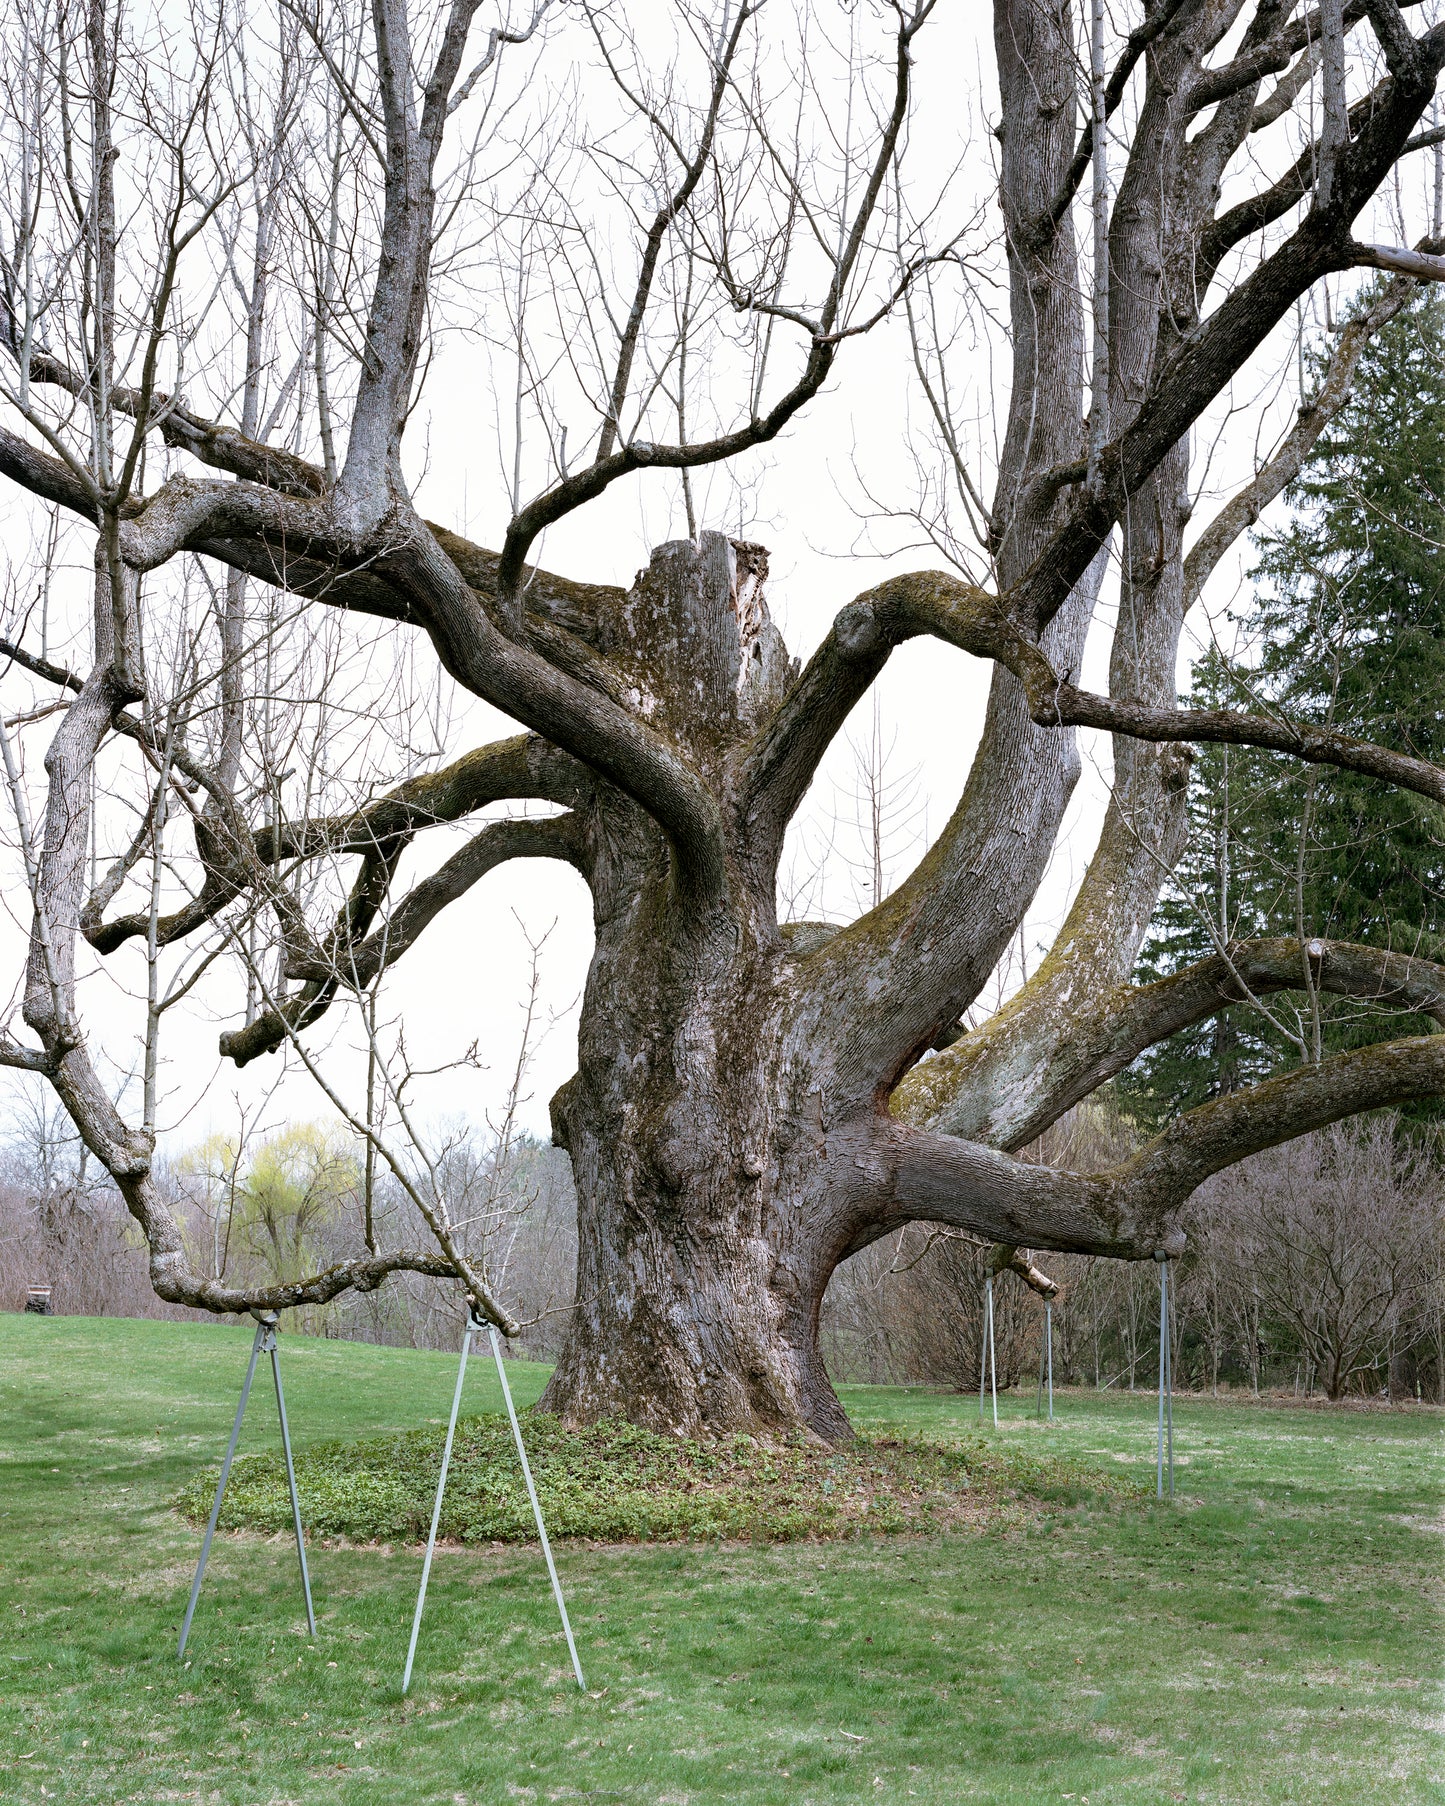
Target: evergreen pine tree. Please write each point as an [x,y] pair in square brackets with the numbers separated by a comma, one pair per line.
[1346,627]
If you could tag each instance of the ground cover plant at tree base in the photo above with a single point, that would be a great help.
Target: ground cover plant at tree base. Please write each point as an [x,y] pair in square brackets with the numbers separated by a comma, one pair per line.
[642,237]
[616,1483]
[1270,1639]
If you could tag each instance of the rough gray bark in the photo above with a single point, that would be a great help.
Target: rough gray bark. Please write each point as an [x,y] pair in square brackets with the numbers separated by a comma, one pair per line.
[750,1107]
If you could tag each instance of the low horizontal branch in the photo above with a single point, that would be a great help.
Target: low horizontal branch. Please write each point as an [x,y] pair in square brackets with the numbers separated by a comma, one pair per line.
[999,1084]
[1165,1174]
[1130,1211]
[23,1059]
[938,603]
[212,442]
[352,963]
[1400,260]
[524,767]
[173,1280]
[521,768]
[556,837]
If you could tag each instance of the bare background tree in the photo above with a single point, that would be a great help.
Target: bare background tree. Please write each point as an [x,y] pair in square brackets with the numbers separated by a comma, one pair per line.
[236,249]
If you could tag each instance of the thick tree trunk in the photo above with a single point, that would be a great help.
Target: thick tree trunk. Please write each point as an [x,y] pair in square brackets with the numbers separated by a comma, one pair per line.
[699,1189]
[695,1313]
[730,1137]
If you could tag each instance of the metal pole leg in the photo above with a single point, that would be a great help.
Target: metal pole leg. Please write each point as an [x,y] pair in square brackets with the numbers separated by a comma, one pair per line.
[1169,1372]
[992,1357]
[1039,1389]
[431,1541]
[1049,1337]
[536,1504]
[275,1354]
[220,1491]
[1163,1359]
[983,1342]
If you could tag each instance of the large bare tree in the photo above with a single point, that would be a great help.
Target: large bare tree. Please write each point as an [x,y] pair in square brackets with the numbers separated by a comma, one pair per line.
[287,221]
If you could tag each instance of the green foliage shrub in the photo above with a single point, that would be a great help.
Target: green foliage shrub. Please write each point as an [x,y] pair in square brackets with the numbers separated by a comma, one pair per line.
[617,1483]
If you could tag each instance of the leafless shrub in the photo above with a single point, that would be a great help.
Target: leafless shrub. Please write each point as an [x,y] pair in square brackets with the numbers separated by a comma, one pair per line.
[1335,1239]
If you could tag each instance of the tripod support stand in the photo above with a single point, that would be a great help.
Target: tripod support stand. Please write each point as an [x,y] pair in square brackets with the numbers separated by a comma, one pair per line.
[265,1343]
[475,1325]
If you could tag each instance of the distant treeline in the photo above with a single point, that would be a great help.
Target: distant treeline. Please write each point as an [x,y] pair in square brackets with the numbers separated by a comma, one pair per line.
[1318,1267]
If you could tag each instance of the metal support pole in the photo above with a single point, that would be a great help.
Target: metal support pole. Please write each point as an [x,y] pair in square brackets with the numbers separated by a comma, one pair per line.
[221,1489]
[431,1541]
[1049,1341]
[989,1349]
[536,1505]
[264,1343]
[1169,1375]
[1166,1384]
[983,1347]
[271,1347]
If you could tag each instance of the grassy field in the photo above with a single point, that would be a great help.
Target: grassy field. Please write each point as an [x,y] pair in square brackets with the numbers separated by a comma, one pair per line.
[1274,1636]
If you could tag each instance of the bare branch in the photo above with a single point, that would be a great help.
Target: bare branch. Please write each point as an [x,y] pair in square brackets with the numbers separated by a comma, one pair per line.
[357,964]
[971,1088]
[1244,509]
[662,223]
[349,962]
[1062,704]
[1209,355]
[587,484]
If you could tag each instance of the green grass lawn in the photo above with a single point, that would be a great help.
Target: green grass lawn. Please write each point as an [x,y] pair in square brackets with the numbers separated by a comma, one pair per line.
[1274,1636]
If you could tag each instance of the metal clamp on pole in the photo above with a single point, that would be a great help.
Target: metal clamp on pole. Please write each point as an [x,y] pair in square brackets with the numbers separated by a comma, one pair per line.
[264,1343]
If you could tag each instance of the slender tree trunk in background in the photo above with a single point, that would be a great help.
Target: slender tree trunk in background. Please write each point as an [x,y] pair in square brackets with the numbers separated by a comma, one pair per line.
[1439,1355]
[1215,1338]
[1131,1343]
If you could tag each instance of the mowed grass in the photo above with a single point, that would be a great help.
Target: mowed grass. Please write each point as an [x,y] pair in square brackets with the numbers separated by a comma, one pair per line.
[1275,1635]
